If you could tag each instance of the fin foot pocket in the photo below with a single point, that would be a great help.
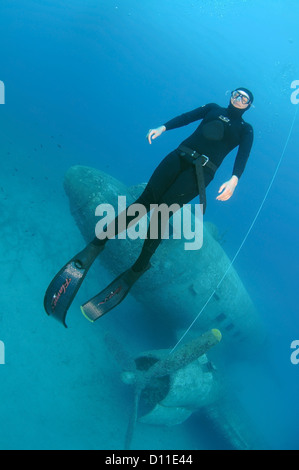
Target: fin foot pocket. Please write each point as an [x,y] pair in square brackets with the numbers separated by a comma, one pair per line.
[65,285]
[111,296]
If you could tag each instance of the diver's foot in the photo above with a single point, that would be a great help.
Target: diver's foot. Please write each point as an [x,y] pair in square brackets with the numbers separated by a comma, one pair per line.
[86,257]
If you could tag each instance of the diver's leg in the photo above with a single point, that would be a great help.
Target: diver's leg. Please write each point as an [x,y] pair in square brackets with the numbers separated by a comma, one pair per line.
[182,191]
[161,180]
[66,283]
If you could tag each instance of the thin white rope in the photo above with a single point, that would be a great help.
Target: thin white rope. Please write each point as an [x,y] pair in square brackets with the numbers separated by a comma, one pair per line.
[246,236]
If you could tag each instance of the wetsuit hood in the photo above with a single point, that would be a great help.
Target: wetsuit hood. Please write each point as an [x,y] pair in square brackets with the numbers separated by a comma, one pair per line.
[235,112]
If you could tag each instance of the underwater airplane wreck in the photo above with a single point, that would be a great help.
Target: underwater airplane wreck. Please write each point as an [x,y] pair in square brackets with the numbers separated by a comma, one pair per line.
[180,280]
[194,384]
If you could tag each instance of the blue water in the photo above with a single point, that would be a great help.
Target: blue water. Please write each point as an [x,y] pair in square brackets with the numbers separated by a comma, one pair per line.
[84,81]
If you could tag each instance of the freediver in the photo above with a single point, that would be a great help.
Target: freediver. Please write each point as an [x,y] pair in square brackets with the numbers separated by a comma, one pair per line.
[180,177]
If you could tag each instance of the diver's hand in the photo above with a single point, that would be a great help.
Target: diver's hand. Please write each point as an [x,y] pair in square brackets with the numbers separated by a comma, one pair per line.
[227,189]
[154,133]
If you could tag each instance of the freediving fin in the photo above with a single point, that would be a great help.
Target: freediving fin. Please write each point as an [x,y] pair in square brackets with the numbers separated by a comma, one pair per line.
[65,285]
[112,295]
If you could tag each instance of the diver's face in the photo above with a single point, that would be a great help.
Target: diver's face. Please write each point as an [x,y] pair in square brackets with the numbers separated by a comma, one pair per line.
[238,104]
[240,100]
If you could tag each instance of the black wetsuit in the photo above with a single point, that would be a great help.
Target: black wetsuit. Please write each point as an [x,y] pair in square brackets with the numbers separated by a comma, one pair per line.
[174,180]
[221,130]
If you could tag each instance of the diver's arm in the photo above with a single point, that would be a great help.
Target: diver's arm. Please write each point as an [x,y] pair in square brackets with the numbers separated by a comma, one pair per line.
[191,116]
[180,121]
[243,151]
[227,189]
